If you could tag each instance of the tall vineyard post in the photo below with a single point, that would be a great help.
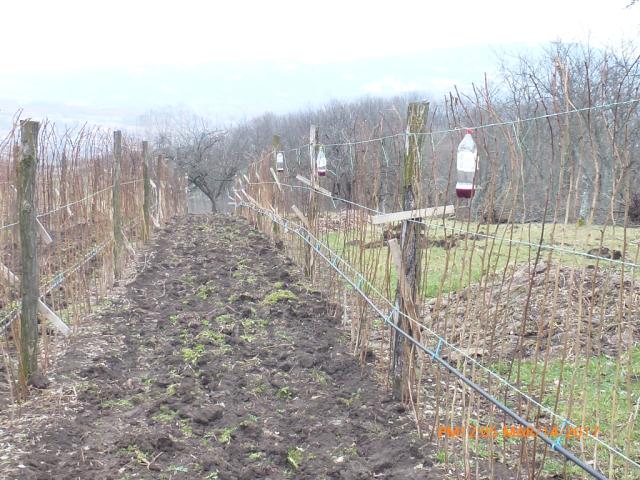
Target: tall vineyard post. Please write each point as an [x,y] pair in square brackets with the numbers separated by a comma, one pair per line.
[29,284]
[117,204]
[403,355]
[312,211]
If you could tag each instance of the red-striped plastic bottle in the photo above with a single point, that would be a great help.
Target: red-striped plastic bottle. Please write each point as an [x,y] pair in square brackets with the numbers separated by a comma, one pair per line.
[467,163]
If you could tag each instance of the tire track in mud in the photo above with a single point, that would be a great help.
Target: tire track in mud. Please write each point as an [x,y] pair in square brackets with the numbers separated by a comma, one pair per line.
[220,362]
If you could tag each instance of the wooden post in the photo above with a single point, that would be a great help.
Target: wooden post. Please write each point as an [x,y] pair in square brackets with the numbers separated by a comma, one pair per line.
[29,279]
[160,185]
[312,213]
[276,195]
[117,205]
[403,355]
[146,205]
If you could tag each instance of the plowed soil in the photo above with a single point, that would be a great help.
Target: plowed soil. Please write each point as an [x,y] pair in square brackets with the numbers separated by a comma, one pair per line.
[218,361]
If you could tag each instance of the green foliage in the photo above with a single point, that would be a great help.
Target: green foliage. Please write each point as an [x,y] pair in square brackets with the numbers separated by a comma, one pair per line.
[284,393]
[254,456]
[192,355]
[122,403]
[225,319]
[295,457]
[204,291]
[319,376]
[171,389]
[213,336]
[138,454]
[224,437]
[279,296]
[165,415]
[601,383]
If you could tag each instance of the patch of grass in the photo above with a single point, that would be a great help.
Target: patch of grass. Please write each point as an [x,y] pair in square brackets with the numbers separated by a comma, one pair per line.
[192,355]
[260,389]
[349,401]
[284,336]
[319,376]
[137,453]
[284,393]
[171,389]
[249,420]
[205,291]
[279,296]
[255,456]
[119,403]
[174,320]
[165,415]
[178,469]
[295,457]
[186,428]
[351,451]
[225,436]
[213,336]
[225,319]
[238,274]
[607,398]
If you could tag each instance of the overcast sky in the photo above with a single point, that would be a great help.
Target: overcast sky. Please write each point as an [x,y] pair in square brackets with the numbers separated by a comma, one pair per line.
[109,62]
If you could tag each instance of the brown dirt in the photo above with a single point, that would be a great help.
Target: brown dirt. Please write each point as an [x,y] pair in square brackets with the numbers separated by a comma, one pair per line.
[195,374]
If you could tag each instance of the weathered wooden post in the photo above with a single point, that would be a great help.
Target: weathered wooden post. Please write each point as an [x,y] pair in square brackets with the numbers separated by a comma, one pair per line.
[146,205]
[275,195]
[402,361]
[160,193]
[312,213]
[29,279]
[117,205]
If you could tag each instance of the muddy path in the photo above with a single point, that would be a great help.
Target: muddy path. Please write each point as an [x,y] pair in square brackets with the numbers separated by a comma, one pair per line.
[218,362]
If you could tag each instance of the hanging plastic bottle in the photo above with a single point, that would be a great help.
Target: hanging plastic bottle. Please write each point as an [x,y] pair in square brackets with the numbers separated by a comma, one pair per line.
[280,161]
[321,162]
[467,163]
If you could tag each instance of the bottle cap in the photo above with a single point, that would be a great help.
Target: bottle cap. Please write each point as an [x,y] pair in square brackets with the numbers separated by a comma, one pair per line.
[469,130]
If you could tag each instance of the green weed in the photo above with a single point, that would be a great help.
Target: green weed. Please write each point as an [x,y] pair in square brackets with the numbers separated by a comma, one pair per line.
[121,403]
[279,296]
[192,355]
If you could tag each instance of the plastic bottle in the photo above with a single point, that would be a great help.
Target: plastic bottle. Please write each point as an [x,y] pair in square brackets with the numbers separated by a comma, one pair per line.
[280,161]
[467,163]
[321,163]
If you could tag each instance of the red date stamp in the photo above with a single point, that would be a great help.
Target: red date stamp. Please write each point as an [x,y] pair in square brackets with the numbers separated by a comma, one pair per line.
[515,431]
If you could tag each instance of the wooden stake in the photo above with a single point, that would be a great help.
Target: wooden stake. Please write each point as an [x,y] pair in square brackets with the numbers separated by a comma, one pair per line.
[146,206]
[301,216]
[312,213]
[117,205]
[46,238]
[29,282]
[403,355]
[412,214]
[275,177]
